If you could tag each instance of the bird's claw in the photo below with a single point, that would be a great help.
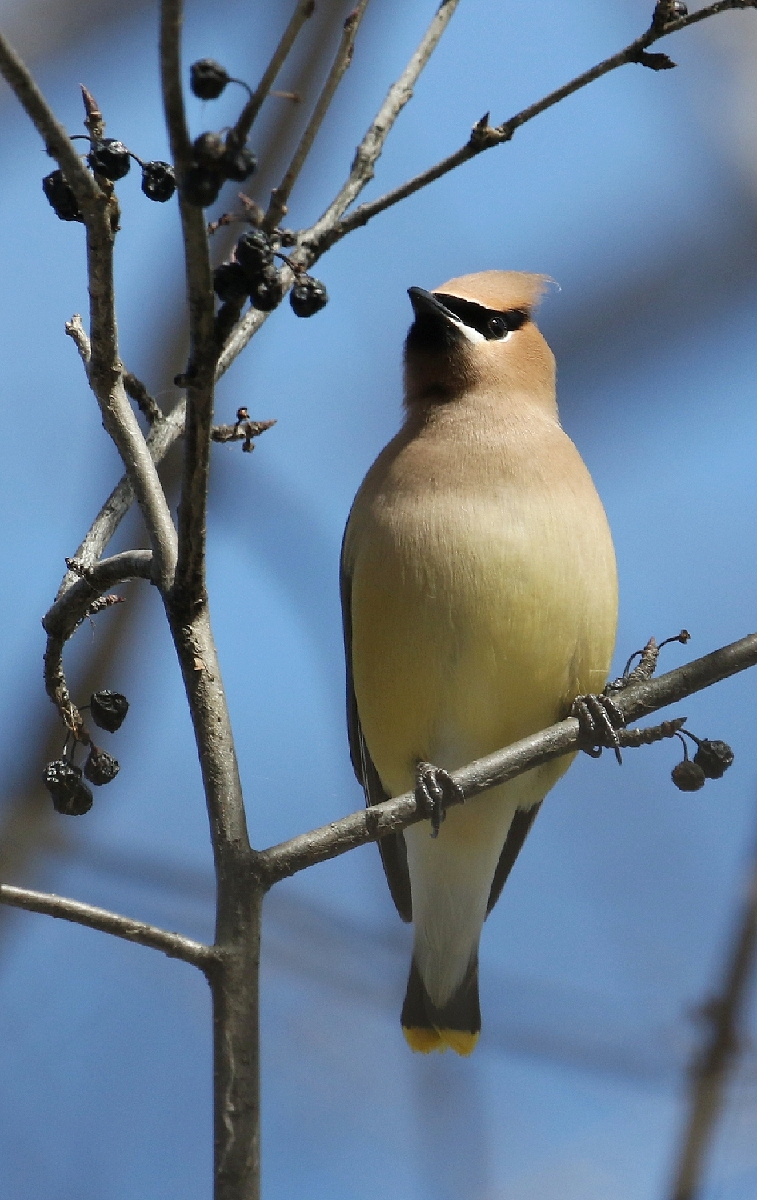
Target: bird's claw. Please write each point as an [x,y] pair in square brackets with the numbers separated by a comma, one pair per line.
[599,719]
[433,787]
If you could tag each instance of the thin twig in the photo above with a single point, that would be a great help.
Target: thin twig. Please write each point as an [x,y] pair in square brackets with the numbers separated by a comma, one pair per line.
[54,135]
[484,136]
[716,1059]
[147,404]
[342,60]
[159,441]
[376,822]
[243,430]
[68,612]
[361,171]
[175,945]
[241,335]
[313,242]
[241,131]
[78,334]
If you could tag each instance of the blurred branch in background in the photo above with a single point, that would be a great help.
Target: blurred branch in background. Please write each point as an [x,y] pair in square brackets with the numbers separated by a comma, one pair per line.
[715,1060]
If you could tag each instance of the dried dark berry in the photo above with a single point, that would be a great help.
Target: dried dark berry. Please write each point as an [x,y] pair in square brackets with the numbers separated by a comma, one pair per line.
[70,794]
[207,78]
[108,709]
[230,283]
[208,149]
[268,290]
[100,766]
[238,164]
[254,252]
[61,197]
[158,181]
[688,776]
[202,185]
[308,296]
[109,158]
[714,758]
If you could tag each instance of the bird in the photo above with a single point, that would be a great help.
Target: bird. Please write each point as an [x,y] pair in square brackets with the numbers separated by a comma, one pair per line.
[479,598]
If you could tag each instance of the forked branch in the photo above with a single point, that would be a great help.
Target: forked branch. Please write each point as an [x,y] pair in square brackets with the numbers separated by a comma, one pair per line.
[484,136]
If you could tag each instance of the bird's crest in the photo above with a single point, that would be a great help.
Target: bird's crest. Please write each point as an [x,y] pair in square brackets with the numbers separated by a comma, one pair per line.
[501,290]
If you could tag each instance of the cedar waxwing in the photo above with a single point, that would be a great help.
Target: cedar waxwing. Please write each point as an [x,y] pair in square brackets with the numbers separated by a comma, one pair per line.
[479,593]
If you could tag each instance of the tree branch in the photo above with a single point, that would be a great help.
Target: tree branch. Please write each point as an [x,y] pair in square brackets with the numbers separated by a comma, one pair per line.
[240,336]
[362,170]
[372,144]
[190,570]
[159,441]
[70,609]
[396,814]
[104,368]
[342,60]
[484,136]
[304,10]
[715,1060]
[234,979]
[175,945]
[57,142]
[331,227]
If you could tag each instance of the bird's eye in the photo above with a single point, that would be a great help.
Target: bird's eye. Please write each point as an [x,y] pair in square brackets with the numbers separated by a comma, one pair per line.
[496,327]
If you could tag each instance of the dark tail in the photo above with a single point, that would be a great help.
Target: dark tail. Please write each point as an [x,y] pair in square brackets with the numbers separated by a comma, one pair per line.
[456,1024]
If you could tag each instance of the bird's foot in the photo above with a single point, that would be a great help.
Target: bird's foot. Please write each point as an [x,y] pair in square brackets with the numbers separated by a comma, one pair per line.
[434,789]
[599,719]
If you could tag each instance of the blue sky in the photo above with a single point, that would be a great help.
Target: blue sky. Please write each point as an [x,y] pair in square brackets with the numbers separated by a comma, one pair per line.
[615,922]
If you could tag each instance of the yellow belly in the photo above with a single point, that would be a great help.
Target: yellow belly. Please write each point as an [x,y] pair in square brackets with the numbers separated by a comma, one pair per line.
[478,624]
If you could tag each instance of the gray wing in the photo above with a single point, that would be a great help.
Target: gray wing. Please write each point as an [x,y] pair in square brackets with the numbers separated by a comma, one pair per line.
[392,848]
[516,836]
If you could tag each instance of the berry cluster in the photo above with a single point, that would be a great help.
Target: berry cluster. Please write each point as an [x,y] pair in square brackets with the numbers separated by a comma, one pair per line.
[63,779]
[252,272]
[109,159]
[214,158]
[711,761]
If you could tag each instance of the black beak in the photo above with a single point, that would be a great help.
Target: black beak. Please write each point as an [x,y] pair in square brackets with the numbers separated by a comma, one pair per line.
[425,304]
[435,329]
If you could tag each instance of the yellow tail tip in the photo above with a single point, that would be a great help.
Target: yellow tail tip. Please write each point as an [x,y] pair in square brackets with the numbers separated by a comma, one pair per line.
[423,1040]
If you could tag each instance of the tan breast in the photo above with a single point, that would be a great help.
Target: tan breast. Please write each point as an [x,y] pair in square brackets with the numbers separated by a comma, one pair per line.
[484,593]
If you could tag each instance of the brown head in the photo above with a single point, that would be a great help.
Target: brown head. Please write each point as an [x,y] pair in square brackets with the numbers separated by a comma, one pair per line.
[477,332]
